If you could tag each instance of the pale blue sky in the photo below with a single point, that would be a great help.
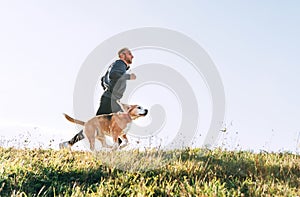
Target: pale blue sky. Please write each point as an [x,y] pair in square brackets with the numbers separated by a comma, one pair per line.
[254,45]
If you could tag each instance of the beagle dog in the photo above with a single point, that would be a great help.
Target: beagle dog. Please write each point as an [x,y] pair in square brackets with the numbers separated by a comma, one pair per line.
[114,125]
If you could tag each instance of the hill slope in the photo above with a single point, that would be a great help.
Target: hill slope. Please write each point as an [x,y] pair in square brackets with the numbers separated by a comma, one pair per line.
[191,172]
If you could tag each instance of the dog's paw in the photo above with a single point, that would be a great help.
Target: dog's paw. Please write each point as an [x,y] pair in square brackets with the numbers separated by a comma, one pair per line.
[123,145]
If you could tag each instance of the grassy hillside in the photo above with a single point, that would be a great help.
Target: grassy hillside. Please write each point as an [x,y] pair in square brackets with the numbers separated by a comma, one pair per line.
[191,172]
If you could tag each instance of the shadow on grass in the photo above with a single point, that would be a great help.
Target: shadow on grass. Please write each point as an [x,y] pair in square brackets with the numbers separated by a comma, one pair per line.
[52,182]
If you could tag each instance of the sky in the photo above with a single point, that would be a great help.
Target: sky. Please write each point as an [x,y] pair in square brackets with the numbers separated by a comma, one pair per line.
[253,44]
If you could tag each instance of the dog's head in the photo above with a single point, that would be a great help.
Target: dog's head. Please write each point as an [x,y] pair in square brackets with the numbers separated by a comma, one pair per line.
[134,111]
[137,111]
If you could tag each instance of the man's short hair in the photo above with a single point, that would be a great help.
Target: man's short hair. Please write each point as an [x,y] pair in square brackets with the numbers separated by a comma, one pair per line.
[123,50]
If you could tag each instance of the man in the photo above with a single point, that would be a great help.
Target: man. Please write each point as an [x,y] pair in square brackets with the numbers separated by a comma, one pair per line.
[113,92]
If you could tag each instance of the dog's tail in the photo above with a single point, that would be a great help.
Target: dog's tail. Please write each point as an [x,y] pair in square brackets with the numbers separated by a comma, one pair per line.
[74,120]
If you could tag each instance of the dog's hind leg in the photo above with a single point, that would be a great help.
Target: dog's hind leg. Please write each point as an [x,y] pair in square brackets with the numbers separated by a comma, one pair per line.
[101,137]
[92,143]
[90,134]
[115,140]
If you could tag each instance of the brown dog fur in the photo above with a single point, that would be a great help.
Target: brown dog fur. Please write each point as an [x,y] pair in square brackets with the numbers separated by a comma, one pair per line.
[114,125]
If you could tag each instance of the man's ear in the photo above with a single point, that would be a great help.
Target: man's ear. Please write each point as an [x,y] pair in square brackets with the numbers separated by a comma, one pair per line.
[121,56]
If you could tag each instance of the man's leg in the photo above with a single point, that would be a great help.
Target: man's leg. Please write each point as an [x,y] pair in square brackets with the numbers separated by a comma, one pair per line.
[68,144]
[79,136]
[104,108]
[107,106]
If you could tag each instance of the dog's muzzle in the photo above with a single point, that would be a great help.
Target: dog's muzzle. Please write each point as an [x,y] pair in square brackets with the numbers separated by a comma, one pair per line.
[145,113]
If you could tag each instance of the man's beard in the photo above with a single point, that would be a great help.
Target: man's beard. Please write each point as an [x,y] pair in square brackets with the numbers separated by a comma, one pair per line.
[128,61]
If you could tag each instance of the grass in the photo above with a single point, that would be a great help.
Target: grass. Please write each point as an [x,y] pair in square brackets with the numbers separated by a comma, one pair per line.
[189,172]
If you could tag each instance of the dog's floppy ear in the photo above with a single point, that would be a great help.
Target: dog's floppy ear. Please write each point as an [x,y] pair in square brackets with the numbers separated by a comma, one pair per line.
[123,106]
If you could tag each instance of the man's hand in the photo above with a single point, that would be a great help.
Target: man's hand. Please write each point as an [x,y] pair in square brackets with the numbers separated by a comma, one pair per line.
[132,76]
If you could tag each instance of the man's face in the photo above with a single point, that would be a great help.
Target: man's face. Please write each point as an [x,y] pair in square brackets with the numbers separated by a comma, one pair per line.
[128,57]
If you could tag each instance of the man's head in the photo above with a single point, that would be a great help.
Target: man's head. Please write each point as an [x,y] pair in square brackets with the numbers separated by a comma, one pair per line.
[125,55]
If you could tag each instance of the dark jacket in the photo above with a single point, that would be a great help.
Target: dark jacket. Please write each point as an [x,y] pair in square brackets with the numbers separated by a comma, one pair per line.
[118,77]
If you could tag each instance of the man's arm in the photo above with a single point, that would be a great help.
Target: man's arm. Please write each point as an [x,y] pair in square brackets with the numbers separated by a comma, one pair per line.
[116,74]
[118,71]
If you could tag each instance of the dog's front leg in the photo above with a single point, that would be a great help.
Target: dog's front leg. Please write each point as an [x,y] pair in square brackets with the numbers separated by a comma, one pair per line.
[124,141]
